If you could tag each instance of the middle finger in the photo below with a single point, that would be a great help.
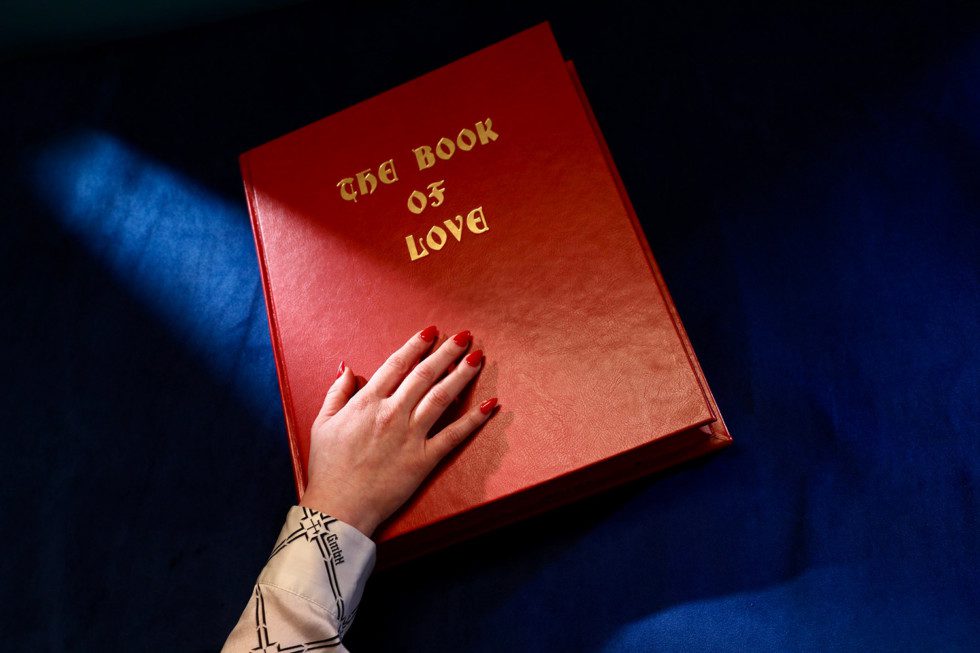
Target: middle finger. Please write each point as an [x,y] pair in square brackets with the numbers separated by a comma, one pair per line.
[423,375]
[442,394]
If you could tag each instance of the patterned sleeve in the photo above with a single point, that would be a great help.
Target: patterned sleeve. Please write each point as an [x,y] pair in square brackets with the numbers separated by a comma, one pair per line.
[307,594]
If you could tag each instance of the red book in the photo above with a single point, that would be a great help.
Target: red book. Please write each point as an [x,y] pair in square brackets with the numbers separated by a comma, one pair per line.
[480,196]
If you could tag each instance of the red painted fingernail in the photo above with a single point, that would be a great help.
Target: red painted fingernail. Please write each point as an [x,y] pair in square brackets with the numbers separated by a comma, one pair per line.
[428,333]
[340,370]
[488,405]
[462,338]
[474,357]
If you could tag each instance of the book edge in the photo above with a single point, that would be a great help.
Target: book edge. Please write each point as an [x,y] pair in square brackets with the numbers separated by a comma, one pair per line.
[285,394]
[583,483]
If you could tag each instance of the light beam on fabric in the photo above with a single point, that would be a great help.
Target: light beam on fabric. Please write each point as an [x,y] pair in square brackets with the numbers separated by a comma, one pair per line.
[185,253]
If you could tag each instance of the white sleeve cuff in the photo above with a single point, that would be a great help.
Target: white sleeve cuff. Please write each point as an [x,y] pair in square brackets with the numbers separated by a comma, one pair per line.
[321,559]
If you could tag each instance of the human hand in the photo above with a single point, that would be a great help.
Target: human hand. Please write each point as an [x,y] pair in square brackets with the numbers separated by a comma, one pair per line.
[368,448]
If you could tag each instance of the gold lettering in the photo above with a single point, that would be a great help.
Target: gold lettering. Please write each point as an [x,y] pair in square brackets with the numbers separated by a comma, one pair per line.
[485,131]
[346,186]
[470,137]
[437,193]
[436,232]
[424,157]
[386,171]
[366,181]
[436,238]
[412,251]
[454,229]
[417,202]
[445,148]
[472,220]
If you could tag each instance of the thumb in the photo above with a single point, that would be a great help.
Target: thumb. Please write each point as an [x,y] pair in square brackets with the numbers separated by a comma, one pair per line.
[340,391]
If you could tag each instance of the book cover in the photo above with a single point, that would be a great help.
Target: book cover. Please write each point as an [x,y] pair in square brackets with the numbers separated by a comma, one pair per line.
[479,196]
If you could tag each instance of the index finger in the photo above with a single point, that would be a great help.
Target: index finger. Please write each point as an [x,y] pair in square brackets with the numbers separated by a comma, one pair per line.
[399,364]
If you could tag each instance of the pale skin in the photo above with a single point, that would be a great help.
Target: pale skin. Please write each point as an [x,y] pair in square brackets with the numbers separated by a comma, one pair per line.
[369,449]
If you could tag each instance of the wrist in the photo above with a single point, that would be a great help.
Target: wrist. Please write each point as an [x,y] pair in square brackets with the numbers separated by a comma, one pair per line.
[359,518]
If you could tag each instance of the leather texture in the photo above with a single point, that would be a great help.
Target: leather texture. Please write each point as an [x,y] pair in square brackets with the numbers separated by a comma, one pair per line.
[584,349]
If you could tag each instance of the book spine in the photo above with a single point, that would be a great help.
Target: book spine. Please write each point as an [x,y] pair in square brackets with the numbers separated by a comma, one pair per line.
[285,394]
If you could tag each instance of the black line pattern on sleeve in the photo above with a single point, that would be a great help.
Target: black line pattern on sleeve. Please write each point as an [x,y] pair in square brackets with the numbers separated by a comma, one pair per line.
[313,527]
[262,631]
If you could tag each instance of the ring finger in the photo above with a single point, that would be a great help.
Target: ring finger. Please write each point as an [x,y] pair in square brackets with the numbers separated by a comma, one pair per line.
[441,395]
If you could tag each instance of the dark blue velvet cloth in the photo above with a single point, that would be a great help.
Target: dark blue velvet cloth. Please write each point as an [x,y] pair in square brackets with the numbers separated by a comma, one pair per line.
[809,182]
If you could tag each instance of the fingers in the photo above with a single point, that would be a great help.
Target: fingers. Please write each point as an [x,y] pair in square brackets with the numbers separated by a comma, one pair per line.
[394,369]
[343,386]
[450,437]
[419,381]
[442,394]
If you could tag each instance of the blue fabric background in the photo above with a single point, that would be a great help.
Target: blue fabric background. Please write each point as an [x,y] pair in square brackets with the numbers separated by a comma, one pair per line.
[809,182]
